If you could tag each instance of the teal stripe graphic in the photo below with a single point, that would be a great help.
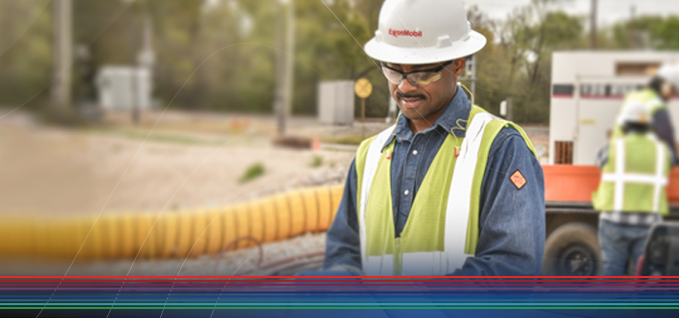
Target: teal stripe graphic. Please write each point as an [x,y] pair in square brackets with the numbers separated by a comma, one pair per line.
[522,308]
[336,304]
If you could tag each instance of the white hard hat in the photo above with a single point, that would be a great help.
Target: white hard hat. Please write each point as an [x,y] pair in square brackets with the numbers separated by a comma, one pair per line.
[423,32]
[635,113]
[670,73]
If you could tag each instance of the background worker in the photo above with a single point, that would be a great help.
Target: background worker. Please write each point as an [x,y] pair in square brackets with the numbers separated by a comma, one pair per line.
[449,189]
[631,194]
[654,98]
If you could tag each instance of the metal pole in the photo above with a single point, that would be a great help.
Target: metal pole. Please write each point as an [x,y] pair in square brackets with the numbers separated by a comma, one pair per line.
[363,117]
[470,73]
[134,94]
[278,99]
[279,103]
[633,32]
[289,54]
[593,25]
[63,53]
[576,129]
[473,60]
[632,12]
[146,57]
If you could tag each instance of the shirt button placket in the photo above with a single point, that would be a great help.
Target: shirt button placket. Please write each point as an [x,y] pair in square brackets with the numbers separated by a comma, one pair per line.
[412,161]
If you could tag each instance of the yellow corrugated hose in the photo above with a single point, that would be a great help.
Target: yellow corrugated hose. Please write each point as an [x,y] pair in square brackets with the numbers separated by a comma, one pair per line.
[175,234]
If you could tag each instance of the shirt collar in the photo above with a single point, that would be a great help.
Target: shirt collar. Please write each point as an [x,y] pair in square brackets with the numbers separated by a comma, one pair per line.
[457,112]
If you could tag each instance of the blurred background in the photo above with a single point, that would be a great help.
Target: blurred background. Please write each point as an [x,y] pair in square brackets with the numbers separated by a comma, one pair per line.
[186,107]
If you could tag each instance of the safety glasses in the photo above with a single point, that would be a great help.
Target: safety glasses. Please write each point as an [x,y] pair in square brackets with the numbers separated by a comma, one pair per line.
[416,78]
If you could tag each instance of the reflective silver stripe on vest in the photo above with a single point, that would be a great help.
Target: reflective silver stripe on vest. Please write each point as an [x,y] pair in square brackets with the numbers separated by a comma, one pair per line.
[457,210]
[459,198]
[373,158]
[619,177]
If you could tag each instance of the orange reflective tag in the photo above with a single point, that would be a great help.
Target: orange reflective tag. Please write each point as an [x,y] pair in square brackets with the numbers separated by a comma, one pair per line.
[517,179]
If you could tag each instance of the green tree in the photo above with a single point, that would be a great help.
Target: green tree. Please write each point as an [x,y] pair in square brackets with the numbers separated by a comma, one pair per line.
[647,32]
[333,52]
[518,64]
[25,52]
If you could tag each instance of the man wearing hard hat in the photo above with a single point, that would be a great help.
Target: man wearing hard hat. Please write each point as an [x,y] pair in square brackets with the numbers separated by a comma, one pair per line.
[653,99]
[449,189]
[631,194]
[635,170]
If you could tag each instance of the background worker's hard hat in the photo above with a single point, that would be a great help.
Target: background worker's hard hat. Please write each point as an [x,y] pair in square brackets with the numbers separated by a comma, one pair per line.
[423,32]
[670,73]
[635,113]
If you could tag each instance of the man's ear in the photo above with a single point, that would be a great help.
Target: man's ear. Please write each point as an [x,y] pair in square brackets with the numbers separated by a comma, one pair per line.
[458,66]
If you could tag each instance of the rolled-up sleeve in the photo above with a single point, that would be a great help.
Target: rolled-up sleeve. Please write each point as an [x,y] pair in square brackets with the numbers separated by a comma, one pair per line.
[512,216]
[343,245]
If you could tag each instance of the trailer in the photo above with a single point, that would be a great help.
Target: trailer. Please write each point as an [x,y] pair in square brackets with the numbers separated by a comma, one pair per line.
[587,91]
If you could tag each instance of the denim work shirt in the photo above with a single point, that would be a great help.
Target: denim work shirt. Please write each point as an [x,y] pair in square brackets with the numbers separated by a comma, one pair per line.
[511,220]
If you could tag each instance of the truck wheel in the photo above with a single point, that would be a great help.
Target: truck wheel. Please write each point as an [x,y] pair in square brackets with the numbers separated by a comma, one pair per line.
[572,250]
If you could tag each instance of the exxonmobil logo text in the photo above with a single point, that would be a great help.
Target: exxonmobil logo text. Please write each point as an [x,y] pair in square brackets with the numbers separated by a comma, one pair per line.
[397,33]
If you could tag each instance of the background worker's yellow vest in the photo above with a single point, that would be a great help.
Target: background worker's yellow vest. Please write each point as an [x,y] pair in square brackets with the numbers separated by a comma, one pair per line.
[646,97]
[635,177]
[442,228]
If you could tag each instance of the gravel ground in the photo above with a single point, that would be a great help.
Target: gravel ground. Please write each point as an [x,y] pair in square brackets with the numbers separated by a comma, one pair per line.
[56,171]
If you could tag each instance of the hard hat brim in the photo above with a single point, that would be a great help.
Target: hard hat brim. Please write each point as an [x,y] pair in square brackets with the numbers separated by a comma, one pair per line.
[669,73]
[425,55]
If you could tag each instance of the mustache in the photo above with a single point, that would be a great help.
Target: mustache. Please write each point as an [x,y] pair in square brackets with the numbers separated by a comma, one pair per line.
[402,95]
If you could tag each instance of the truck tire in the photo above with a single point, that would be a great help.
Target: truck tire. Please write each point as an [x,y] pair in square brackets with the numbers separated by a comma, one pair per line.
[572,250]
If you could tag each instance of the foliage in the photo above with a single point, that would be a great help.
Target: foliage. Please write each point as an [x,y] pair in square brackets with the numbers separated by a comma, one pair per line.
[218,55]
[316,161]
[517,65]
[344,139]
[648,32]
[25,51]
[253,172]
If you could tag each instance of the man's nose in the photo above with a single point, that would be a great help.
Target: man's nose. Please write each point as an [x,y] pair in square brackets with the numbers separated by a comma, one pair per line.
[405,86]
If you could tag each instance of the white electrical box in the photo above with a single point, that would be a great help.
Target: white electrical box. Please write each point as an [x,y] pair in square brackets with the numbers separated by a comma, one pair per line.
[124,87]
[336,102]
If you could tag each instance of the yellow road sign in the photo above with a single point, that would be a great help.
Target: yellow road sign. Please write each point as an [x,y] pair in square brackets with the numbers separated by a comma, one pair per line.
[363,88]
